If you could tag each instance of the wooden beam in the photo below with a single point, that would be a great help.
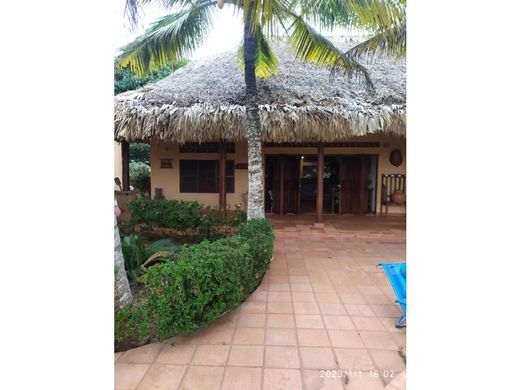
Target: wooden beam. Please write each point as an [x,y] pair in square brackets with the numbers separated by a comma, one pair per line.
[282,180]
[125,161]
[319,185]
[222,177]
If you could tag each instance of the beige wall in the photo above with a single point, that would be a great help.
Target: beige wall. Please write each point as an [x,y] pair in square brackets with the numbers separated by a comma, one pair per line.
[118,164]
[168,179]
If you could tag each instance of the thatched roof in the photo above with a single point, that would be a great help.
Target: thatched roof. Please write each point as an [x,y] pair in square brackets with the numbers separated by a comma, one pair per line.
[204,101]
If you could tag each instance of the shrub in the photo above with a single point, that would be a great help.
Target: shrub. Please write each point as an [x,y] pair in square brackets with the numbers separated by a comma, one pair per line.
[174,214]
[207,280]
[137,254]
[140,176]
[259,234]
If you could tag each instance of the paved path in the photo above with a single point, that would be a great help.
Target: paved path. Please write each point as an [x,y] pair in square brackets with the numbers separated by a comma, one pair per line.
[323,305]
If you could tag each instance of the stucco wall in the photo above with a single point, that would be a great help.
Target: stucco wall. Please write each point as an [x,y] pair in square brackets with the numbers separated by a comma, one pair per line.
[168,179]
[118,165]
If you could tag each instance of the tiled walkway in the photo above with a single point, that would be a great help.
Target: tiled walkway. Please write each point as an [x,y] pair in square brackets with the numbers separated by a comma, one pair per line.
[323,305]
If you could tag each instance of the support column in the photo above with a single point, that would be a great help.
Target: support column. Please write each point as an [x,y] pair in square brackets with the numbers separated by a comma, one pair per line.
[125,160]
[319,186]
[222,177]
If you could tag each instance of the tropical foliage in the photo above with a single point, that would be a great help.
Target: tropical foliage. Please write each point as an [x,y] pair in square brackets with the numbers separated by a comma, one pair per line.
[205,281]
[178,34]
[126,80]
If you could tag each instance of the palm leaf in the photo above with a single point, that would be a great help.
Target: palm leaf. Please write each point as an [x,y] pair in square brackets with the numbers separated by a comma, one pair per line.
[169,39]
[266,62]
[391,41]
[311,46]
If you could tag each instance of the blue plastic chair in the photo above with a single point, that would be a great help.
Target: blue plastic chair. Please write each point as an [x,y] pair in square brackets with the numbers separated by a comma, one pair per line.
[396,274]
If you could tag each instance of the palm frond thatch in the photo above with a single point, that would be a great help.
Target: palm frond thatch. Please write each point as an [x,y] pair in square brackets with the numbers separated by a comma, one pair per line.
[203,102]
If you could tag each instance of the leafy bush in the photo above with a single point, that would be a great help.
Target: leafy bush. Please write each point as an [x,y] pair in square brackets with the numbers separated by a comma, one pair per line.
[125,79]
[207,280]
[173,214]
[137,254]
[139,152]
[187,217]
[133,248]
[259,234]
[140,176]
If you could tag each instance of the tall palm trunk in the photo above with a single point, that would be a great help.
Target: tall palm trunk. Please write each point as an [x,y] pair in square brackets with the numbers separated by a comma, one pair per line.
[255,201]
[122,293]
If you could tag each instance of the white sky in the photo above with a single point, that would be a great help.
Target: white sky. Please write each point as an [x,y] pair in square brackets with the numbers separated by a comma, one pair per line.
[225,36]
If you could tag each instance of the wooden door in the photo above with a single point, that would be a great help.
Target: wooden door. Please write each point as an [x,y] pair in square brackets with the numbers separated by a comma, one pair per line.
[276,172]
[291,184]
[354,175]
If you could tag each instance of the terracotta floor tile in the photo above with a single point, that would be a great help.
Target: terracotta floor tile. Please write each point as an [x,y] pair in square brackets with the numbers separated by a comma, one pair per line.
[354,359]
[327,298]
[242,378]
[338,322]
[176,354]
[386,310]
[301,287]
[202,378]
[322,287]
[368,323]
[279,307]
[377,299]
[282,379]
[313,337]
[387,360]
[217,335]
[299,279]
[332,309]
[378,340]
[277,336]
[162,377]
[127,376]
[251,320]
[309,321]
[364,381]
[211,355]
[249,336]
[248,356]
[389,324]
[278,287]
[359,310]
[303,297]
[142,355]
[253,307]
[318,358]
[306,308]
[316,380]
[279,296]
[345,339]
[280,321]
[282,357]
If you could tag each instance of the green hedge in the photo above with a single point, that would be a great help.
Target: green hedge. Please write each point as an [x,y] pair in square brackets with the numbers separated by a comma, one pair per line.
[207,280]
[186,217]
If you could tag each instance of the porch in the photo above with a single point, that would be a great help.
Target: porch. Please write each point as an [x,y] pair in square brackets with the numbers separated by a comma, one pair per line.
[323,305]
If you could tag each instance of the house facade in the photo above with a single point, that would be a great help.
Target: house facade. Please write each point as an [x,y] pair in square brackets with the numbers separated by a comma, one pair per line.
[330,146]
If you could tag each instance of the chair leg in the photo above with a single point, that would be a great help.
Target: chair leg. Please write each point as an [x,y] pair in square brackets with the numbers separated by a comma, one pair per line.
[402,322]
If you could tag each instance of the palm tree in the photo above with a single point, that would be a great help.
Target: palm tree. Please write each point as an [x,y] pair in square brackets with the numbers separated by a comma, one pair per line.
[122,293]
[176,35]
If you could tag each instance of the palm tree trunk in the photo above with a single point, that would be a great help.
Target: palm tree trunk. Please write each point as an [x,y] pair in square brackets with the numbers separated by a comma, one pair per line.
[255,201]
[122,293]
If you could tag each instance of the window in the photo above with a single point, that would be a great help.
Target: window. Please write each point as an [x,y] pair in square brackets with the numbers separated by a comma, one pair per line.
[201,176]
